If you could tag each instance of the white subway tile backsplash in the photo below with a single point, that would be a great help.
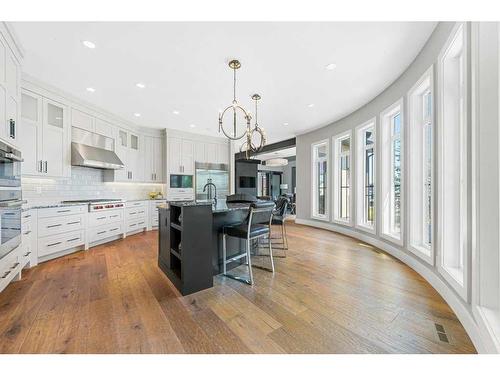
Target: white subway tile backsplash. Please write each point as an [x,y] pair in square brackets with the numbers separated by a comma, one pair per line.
[85,183]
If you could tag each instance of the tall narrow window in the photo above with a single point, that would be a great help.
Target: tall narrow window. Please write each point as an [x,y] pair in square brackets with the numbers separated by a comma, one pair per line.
[391,152]
[453,156]
[366,176]
[342,178]
[420,147]
[320,178]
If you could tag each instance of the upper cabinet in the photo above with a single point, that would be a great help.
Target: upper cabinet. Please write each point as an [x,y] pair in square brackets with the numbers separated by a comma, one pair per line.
[90,123]
[44,137]
[9,91]
[211,152]
[130,149]
[153,159]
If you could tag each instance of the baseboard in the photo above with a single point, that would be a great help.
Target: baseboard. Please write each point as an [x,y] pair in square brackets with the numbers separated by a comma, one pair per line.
[461,310]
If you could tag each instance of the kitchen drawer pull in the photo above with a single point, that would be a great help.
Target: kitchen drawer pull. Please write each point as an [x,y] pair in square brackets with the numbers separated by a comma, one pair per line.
[27,254]
[62,211]
[6,274]
[141,223]
[101,218]
[101,232]
[114,216]
[112,230]
[27,216]
[73,239]
[27,232]
[132,213]
[73,222]
[53,225]
[54,244]
[132,225]
[14,266]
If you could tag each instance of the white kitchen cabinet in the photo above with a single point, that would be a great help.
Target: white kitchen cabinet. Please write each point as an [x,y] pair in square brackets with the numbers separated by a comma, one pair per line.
[44,137]
[136,216]
[210,153]
[199,152]
[9,92]
[223,153]
[130,149]
[153,159]
[82,120]
[174,155]
[104,128]
[187,157]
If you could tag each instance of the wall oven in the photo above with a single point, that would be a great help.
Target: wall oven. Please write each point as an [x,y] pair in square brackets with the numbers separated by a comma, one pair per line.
[10,198]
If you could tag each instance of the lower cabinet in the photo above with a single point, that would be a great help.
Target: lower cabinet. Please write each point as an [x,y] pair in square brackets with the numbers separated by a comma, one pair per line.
[136,216]
[105,225]
[11,266]
[153,212]
[60,229]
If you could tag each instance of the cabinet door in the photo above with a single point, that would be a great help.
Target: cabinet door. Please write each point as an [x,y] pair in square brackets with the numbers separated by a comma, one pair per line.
[136,158]
[12,119]
[223,153]
[11,74]
[199,152]
[174,155]
[158,159]
[30,133]
[211,152]
[82,120]
[54,139]
[187,160]
[103,128]
[148,153]
[3,112]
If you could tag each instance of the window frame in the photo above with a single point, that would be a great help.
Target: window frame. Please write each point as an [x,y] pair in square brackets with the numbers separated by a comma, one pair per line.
[314,214]
[387,176]
[420,88]
[360,175]
[461,287]
[336,140]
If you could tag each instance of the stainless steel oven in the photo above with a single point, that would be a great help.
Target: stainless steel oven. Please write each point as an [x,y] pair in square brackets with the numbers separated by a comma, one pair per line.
[10,198]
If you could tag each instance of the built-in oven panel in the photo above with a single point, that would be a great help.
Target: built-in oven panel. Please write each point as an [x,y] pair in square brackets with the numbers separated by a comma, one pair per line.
[10,224]
[10,166]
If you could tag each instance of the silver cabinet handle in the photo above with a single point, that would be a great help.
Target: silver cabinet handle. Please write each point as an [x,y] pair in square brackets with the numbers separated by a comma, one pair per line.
[54,225]
[54,244]
[101,232]
[62,211]
[45,166]
[27,216]
[6,274]
[73,239]
[101,218]
[40,166]
[14,266]
[27,254]
[27,232]
[73,222]
[112,230]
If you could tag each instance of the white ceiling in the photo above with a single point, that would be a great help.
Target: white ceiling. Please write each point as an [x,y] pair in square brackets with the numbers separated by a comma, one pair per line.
[285,153]
[184,67]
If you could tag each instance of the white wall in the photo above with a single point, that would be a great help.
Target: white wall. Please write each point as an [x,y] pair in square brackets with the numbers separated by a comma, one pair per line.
[484,176]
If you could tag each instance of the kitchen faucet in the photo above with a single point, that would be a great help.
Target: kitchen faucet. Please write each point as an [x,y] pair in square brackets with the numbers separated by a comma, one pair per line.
[210,183]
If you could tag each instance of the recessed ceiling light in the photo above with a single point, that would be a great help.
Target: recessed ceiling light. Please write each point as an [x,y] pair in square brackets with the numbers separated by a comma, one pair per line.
[140,85]
[192,126]
[175,112]
[137,114]
[88,44]
[90,89]
[310,105]
[285,123]
[331,66]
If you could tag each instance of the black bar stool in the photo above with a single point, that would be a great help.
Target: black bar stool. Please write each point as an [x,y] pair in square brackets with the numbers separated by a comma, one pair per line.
[253,228]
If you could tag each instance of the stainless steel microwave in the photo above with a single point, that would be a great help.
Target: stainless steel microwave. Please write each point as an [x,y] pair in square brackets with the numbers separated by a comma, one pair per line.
[181,181]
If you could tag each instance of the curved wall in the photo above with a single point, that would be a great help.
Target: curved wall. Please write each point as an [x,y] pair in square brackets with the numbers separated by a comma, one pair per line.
[426,58]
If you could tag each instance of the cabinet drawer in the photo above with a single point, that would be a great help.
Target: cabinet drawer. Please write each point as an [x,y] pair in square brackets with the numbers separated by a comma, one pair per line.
[48,226]
[25,255]
[133,225]
[100,233]
[10,265]
[104,218]
[26,229]
[136,204]
[26,216]
[135,213]
[58,211]
[54,244]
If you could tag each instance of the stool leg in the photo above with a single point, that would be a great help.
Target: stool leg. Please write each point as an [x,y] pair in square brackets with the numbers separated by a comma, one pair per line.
[271,253]
[249,262]
[224,256]
[286,236]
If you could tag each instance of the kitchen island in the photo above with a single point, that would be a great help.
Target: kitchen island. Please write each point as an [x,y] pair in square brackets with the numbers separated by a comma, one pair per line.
[190,241]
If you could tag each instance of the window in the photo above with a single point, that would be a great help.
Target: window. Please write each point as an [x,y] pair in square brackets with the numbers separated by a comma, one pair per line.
[453,160]
[320,178]
[342,178]
[420,184]
[391,152]
[366,176]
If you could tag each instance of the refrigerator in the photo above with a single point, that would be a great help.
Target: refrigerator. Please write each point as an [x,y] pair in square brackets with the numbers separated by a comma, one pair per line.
[218,174]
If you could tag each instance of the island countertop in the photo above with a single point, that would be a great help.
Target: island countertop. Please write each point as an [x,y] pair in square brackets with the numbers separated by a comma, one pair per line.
[220,207]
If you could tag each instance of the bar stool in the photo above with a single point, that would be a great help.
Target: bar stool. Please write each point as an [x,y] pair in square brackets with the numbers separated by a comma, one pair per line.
[252,228]
[279,217]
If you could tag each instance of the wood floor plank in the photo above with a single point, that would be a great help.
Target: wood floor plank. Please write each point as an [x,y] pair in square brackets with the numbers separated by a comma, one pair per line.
[331,294]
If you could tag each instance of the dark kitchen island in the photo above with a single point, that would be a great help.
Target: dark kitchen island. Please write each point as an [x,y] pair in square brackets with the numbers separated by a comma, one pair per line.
[190,241]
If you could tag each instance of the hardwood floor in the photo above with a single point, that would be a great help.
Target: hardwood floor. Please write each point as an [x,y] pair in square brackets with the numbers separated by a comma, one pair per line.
[332,294]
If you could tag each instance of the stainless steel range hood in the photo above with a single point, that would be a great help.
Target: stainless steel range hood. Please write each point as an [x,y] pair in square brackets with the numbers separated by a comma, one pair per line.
[93,150]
